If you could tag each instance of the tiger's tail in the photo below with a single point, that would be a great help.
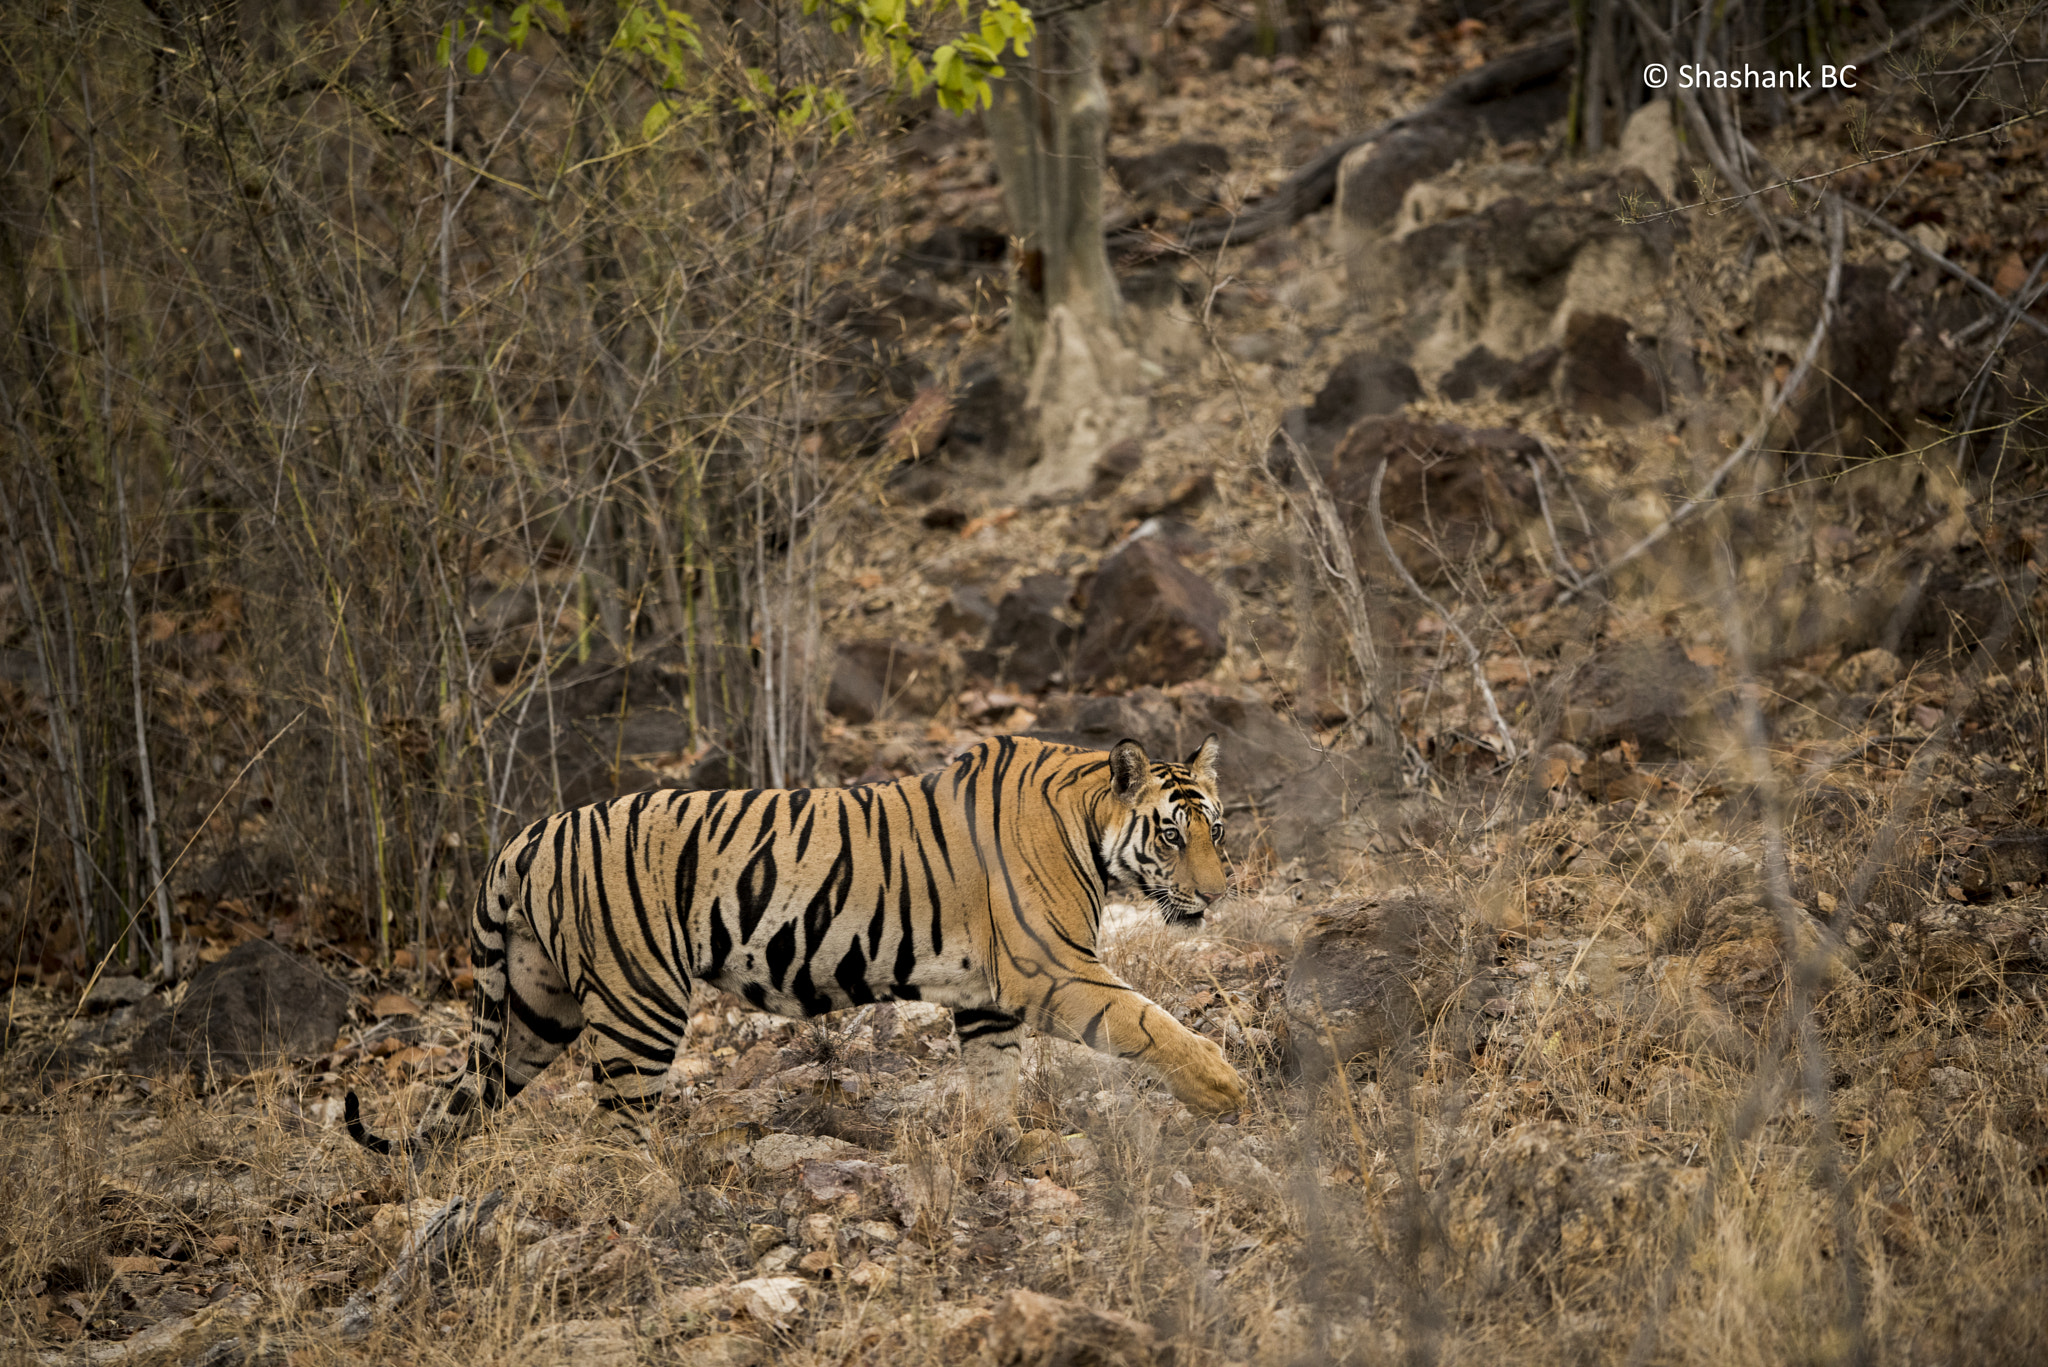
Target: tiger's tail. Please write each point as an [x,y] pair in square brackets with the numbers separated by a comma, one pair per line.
[352,1117]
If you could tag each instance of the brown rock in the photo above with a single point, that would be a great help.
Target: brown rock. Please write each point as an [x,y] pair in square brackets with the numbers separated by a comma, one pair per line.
[1644,691]
[1030,1330]
[1150,619]
[922,426]
[966,612]
[1450,494]
[1603,375]
[1029,642]
[882,678]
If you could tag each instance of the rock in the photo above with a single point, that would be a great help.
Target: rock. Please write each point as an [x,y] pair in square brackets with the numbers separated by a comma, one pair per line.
[1266,758]
[1030,642]
[1031,1330]
[1544,1209]
[922,1193]
[1603,375]
[586,1343]
[984,408]
[1370,976]
[1373,179]
[1181,174]
[1362,385]
[966,612]
[1531,375]
[1515,96]
[921,427]
[1644,691]
[1848,399]
[871,1276]
[831,1179]
[1150,619]
[778,1152]
[1649,142]
[1116,465]
[874,679]
[2018,855]
[772,1301]
[1502,256]
[1868,671]
[1477,371]
[110,992]
[956,247]
[256,1005]
[1450,494]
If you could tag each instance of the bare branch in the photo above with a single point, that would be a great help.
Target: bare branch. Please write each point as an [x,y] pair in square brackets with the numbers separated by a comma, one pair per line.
[1478,666]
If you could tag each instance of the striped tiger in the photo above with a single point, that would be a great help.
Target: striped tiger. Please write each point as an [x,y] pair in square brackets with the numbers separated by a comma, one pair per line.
[978,886]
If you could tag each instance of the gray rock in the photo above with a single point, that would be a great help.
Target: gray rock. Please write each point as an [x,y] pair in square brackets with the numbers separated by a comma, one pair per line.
[110,992]
[256,1005]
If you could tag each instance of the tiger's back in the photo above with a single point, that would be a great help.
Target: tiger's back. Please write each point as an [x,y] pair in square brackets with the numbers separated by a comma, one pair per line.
[978,886]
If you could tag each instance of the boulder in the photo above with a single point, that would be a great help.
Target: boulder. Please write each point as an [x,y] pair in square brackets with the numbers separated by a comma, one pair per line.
[1364,384]
[1029,642]
[112,991]
[1267,761]
[1477,371]
[1643,691]
[254,1006]
[1150,619]
[966,612]
[1370,976]
[1450,495]
[1181,174]
[1031,1330]
[1604,375]
[1849,398]
[874,679]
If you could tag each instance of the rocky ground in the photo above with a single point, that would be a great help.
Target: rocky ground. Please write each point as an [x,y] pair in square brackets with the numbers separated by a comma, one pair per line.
[1668,988]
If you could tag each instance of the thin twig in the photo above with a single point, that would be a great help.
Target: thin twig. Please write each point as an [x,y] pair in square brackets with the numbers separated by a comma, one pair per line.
[1569,576]
[2023,299]
[1922,250]
[1379,530]
[1763,426]
[1892,43]
[1332,544]
[141,906]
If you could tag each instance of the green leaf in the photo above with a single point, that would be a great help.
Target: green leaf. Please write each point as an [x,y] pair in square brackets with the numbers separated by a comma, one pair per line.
[478,59]
[444,45]
[658,115]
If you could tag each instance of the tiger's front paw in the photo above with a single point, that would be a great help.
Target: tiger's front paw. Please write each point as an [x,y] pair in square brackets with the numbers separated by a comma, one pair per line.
[1205,1081]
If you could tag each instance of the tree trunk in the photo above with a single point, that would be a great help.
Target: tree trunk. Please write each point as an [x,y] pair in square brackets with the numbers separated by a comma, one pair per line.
[1048,125]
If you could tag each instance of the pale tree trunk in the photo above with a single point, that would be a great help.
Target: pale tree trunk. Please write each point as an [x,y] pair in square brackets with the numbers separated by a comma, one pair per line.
[1067,334]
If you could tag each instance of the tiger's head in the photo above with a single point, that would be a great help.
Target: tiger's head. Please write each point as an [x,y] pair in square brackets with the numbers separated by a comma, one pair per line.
[1170,846]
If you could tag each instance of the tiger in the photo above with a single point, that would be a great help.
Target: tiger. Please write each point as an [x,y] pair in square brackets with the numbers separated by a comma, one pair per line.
[978,886]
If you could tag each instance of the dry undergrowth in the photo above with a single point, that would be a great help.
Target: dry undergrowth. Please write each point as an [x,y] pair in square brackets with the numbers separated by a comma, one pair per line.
[1598,1148]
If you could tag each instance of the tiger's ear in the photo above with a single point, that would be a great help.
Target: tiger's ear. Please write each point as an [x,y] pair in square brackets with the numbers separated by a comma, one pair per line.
[1202,763]
[1129,771]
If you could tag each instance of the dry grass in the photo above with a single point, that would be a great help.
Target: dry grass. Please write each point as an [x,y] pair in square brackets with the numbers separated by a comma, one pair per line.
[1616,1163]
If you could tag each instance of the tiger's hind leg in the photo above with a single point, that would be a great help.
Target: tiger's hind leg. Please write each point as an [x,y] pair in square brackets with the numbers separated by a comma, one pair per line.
[523,1018]
[635,1044]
